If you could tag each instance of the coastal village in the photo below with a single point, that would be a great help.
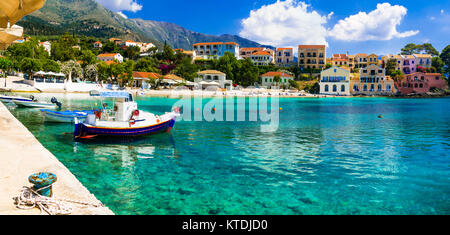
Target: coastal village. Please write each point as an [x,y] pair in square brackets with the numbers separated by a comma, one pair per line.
[116,63]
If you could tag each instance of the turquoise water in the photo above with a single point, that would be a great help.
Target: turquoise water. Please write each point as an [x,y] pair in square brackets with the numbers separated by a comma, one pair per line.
[328,156]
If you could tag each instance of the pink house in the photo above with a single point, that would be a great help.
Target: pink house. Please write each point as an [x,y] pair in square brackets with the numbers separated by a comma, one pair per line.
[420,83]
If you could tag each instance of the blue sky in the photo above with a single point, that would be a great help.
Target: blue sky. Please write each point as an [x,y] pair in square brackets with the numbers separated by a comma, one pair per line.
[342,25]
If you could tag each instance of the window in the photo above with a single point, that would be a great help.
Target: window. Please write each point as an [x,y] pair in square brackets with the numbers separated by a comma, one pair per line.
[334,88]
[343,88]
[326,88]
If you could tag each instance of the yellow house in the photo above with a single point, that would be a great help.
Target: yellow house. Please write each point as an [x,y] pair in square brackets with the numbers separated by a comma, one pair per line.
[372,81]
[372,59]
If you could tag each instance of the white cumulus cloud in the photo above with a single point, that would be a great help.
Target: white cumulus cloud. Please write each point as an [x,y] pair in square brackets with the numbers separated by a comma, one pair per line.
[121,5]
[379,24]
[285,24]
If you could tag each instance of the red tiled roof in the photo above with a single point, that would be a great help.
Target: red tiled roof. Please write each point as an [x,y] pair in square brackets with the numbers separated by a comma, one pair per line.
[146,75]
[108,55]
[261,53]
[215,43]
[311,46]
[273,74]
[282,49]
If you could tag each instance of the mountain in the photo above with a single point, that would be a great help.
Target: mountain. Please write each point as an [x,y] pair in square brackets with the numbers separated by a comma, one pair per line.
[87,17]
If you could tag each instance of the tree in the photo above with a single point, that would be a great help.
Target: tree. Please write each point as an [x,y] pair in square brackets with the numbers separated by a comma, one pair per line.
[50,66]
[247,73]
[127,75]
[87,57]
[116,70]
[110,47]
[445,56]
[103,71]
[28,65]
[227,64]
[132,52]
[147,64]
[294,84]
[187,70]
[72,68]
[397,75]
[437,64]
[277,79]
[427,48]
[391,66]
[409,49]
[91,72]
[5,65]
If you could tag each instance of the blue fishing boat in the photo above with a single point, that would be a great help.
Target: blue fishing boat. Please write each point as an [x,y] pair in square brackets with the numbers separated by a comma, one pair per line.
[65,116]
[125,121]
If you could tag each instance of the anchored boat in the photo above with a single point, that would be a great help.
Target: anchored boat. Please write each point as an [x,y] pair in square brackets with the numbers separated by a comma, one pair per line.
[65,116]
[124,121]
[35,104]
[9,99]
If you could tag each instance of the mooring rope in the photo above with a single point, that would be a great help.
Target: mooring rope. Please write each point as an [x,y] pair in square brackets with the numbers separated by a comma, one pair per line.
[29,199]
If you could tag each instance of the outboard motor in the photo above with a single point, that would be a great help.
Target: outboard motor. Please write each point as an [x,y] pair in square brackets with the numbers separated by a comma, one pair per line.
[55,101]
[32,97]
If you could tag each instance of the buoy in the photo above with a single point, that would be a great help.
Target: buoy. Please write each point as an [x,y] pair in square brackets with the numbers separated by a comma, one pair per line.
[380,116]
[43,183]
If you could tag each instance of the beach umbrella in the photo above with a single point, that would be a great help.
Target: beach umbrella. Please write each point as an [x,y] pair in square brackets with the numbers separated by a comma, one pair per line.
[12,11]
[9,35]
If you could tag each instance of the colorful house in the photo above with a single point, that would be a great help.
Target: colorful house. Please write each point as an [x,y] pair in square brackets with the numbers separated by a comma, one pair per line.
[312,56]
[110,57]
[335,81]
[284,57]
[420,83]
[216,49]
[372,80]
[260,58]
[214,78]
[268,79]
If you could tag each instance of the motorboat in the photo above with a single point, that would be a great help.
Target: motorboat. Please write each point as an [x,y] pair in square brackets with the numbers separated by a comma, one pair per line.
[35,104]
[9,99]
[125,120]
[65,116]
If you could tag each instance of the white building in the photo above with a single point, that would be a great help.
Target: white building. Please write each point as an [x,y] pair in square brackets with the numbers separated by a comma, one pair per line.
[110,57]
[335,81]
[216,49]
[261,58]
[214,78]
[268,79]
[97,44]
[47,46]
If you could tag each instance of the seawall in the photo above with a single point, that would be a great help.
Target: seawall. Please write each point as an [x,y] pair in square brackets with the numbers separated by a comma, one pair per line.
[21,155]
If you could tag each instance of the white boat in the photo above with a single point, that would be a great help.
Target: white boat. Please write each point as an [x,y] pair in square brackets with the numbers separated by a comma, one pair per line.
[126,121]
[34,104]
[65,116]
[9,99]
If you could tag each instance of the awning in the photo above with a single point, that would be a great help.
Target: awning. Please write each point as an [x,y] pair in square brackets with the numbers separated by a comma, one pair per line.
[13,10]
[9,35]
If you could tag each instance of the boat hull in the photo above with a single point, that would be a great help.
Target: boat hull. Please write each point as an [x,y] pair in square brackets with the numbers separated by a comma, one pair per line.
[86,132]
[30,104]
[9,99]
[63,117]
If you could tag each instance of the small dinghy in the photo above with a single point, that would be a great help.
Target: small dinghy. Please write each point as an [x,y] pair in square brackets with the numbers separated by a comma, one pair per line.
[34,104]
[65,116]
[9,99]
[126,121]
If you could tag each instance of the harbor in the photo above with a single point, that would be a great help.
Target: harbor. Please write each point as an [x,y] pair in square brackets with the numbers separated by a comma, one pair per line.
[371,164]
[23,155]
